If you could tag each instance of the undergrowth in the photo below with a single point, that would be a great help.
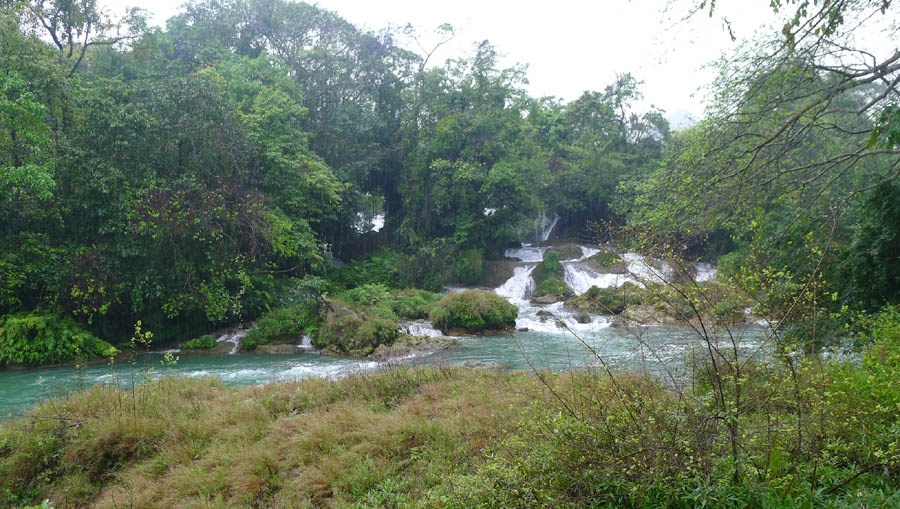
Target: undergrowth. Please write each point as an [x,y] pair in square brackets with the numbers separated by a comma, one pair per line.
[795,431]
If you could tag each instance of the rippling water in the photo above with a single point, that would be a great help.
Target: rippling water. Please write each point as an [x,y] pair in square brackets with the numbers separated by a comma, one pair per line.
[659,350]
[556,342]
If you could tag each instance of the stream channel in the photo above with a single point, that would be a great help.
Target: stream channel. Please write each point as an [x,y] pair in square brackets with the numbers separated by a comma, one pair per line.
[659,350]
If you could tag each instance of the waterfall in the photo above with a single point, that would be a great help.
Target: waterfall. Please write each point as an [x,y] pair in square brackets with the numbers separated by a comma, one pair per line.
[705,272]
[519,287]
[581,278]
[234,338]
[306,343]
[641,269]
[419,329]
[366,223]
[526,254]
[546,231]
[543,227]
[587,252]
[551,318]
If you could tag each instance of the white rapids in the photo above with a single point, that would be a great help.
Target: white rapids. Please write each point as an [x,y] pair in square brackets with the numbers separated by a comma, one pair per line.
[580,276]
[419,329]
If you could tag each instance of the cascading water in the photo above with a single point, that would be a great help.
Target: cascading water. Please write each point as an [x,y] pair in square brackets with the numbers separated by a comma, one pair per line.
[543,227]
[366,223]
[705,272]
[586,252]
[419,329]
[306,343]
[519,287]
[547,229]
[234,338]
[645,268]
[581,278]
[526,254]
[549,318]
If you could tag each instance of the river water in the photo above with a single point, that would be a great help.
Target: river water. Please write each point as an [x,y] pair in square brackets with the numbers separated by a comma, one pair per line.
[556,342]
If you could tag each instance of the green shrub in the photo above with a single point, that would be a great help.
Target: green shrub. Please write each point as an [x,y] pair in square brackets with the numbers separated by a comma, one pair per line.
[432,265]
[608,300]
[414,304]
[548,268]
[202,343]
[289,323]
[46,338]
[607,258]
[552,286]
[470,266]
[356,332]
[383,267]
[473,311]
[729,264]
[374,294]
[360,320]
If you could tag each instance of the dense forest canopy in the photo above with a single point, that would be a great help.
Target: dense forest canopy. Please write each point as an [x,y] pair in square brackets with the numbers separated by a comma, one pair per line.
[189,176]
[182,176]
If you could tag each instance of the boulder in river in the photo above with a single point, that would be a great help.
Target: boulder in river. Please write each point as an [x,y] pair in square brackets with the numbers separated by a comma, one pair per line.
[546,299]
[582,318]
[607,261]
[496,273]
[408,346]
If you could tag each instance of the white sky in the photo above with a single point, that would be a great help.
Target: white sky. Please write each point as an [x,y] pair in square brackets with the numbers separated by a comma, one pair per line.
[569,46]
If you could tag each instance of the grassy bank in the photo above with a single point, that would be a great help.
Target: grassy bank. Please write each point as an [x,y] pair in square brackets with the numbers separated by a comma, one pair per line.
[818,435]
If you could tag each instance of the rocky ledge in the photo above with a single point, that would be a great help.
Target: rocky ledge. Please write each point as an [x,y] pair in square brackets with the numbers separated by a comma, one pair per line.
[409,346]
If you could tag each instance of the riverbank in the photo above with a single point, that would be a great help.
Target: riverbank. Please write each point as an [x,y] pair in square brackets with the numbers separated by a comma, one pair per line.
[454,437]
[558,350]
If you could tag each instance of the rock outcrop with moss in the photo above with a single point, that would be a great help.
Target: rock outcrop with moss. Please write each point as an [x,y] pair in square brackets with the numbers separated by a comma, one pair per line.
[548,278]
[607,301]
[359,321]
[205,342]
[473,312]
[350,332]
[607,261]
[406,346]
[661,304]
[286,325]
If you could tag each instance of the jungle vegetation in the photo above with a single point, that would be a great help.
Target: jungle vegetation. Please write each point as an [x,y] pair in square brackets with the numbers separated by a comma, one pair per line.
[217,171]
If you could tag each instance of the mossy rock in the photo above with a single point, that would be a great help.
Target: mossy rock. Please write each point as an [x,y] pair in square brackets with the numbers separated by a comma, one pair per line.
[497,272]
[405,346]
[474,312]
[608,261]
[205,342]
[282,325]
[553,287]
[607,301]
[568,251]
[549,268]
[345,331]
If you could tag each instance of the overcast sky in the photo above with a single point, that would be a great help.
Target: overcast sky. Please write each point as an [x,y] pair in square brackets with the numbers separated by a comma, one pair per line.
[569,46]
